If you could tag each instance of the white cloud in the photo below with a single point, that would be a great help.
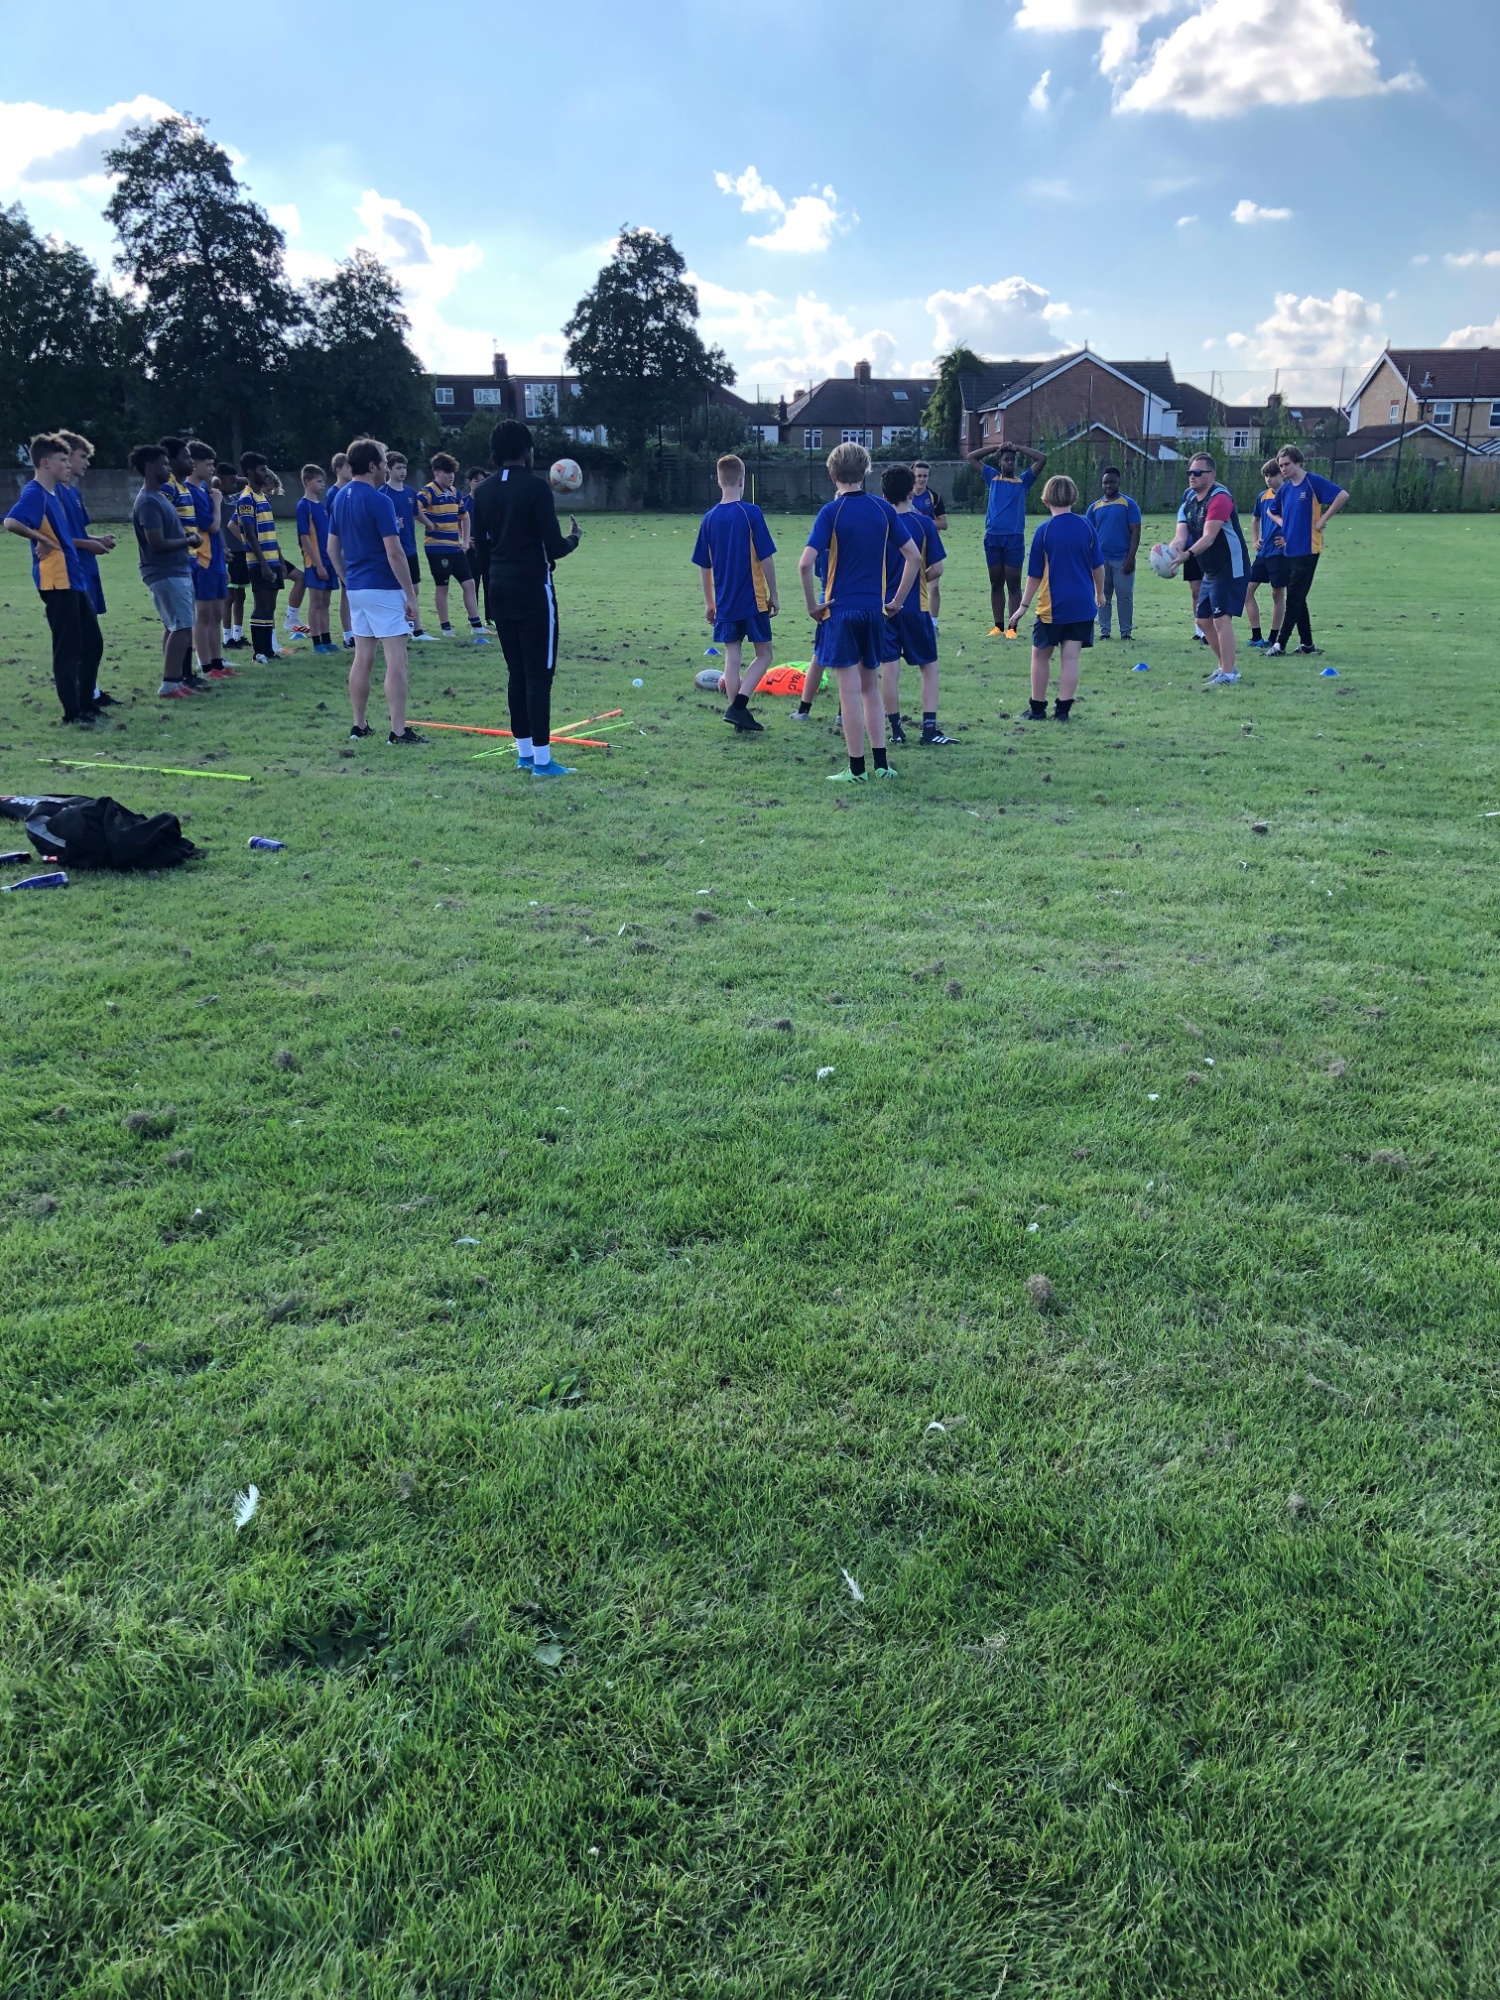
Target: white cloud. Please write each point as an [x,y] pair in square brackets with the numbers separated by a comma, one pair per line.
[1233,56]
[1475,336]
[1423,258]
[805,223]
[1118,23]
[1039,100]
[427,272]
[1013,317]
[1319,332]
[1466,258]
[61,153]
[1186,221]
[287,218]
[1249,212]
[779,345]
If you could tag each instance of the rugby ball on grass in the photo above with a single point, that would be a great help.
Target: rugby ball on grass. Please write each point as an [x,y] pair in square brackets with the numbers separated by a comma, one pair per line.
[566,476]
[1161,560]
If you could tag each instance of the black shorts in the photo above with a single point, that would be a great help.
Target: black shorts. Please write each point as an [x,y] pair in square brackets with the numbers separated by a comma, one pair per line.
[448,565]
[1080,629]
[1271,570]
[1191,571]
[239,571]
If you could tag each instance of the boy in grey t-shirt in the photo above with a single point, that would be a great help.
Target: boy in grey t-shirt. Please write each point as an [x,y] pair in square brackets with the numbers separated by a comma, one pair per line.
[165,554]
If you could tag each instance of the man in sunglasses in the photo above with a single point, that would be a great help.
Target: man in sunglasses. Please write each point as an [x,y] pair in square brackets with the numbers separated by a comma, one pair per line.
[1208,528]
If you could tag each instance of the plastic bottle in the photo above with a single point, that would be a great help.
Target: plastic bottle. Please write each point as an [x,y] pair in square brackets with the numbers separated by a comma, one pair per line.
[265,846]
[55,881]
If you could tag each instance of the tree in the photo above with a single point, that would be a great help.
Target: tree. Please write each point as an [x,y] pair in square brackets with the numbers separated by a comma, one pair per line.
[632,339]
[207,261]
[352,373]
[69,349]
[945,408]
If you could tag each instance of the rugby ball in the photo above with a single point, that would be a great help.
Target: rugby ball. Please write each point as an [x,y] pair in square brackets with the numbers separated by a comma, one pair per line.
[1162,560]
[566,476]
[709,678]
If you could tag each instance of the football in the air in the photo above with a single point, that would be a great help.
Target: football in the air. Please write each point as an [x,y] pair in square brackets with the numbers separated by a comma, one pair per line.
[1161,560]
[566,476]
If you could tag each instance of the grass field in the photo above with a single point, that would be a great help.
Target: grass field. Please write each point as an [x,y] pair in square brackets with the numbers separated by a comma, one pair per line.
[1172,1663]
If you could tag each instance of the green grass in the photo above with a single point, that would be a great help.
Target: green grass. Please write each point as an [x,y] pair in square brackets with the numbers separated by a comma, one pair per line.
[535,1674]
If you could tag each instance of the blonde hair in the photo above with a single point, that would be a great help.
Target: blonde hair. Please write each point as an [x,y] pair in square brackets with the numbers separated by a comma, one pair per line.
[76,443]
[1059,491]
[848,464]
[731,470]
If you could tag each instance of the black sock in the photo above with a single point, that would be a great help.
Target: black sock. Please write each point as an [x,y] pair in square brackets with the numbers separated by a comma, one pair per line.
[892,715]
[857,766]
[1062,707]
[929,718]
[1038,709]
[740,701]
[262,637]
[882,763]
[1273,637]
[1254,633]
[804,708]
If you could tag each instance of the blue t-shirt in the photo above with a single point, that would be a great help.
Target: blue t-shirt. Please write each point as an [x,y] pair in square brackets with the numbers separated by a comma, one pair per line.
[930,550]
[1301,510]
[209,553]
[312,526]
[362,518]
[404,500]
[734,541]
[1267,534]
[1065,554]
[855,531]
[51,569]
[1005,504]
[1113,521]
[78,521]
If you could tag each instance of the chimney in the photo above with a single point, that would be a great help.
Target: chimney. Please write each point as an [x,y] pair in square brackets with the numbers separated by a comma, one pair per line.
[862,373]
[501,371]
[781,410]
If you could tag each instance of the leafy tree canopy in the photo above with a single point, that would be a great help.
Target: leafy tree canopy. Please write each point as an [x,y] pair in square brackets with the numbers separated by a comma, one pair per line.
[353,372]
[944,411]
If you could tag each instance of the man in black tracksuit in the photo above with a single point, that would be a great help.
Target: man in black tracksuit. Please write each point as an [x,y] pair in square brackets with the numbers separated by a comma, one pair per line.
[517,542]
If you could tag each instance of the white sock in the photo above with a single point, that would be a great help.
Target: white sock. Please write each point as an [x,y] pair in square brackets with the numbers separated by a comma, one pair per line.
[348,638]
[236,631]
[523,746]
[541,753]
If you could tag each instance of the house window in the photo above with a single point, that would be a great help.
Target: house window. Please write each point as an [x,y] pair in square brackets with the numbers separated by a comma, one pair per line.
[1442,413]
[1239,440]
[899,396]
[443,398]
[812,440]
[575,388]
[1395,413]
[1495,416]
[866,438]
[487,399]
[541,400]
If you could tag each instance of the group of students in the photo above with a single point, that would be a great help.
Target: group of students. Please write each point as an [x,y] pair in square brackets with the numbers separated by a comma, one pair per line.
[207,539]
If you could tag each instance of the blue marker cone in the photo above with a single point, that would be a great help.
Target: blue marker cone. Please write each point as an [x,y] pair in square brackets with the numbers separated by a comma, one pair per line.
[1140,667]
[711,653]
[1329,674]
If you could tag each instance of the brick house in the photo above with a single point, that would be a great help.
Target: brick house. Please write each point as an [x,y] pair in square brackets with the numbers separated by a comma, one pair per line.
[857,409]
[1068,395]
[532,396]
[1455,389]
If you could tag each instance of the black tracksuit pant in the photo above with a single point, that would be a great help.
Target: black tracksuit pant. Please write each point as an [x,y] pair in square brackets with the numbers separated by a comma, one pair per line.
[77,648]
[1300,573]
[525,613]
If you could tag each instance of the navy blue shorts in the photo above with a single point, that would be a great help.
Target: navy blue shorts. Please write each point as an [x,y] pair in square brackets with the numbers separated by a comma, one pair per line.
[854,639]
[909,636]
[1269,569]
[210,584]
[1081,629]
[1222,596]
[757,627]
[447,565]
[1006,550]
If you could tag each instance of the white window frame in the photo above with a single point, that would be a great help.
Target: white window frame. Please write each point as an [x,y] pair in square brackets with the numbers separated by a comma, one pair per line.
[488,399]
[812,440]
[443,399]
[1442,413]
[1395,416]
[1239,440]
[541,400]
[856,435]
[1495,416]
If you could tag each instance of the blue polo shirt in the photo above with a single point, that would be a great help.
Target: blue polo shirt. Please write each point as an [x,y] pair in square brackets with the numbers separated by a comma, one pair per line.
[1113,521]
[734,543]
[1065,554]
[78,517]
[855,532]
[1301,510]
[1005,501]
[59,567]
[362,518]
[404,500]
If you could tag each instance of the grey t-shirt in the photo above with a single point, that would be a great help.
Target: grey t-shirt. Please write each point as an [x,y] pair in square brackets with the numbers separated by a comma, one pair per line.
[155,510]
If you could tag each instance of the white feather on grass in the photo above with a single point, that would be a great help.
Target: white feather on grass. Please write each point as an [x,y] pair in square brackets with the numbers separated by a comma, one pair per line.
[854,1590]
[245,1505]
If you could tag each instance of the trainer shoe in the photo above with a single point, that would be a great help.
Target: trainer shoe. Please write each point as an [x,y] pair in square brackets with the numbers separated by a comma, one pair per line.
[525,764]
[1221,679]
[801,715]
[267,659]
[742,720]
[1198,638]
[1011,632]
[1308,653]
[934,739]
[1255,645]
[552,769]
[994,633]
[103,700]
[357,735]
[426,638]
[1275,653]
[173,691]
[893,729]
[886,771]
[408,735]
[847,777]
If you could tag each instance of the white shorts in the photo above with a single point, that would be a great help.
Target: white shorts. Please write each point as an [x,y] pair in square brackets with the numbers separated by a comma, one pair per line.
[377,614]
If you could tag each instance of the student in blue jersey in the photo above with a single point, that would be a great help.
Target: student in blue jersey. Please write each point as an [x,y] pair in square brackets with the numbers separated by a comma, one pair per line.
[178,489]
[1005,527]
[257,525]
[90,546]
[364,546]
[1305,505]
[1065,579]
[924,500]
[817,667]
[734,554]
[1210,534]
[1269,565]
[404,499]
[317,566]
[912,634]
[856,531]
[210,569]
[1116,520]
[40,516]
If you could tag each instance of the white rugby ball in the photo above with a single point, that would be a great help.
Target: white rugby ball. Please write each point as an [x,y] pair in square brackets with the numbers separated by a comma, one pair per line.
[1161,560]
[566,476]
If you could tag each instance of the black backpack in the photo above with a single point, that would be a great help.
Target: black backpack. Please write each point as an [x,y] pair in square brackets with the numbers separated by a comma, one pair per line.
[100,833]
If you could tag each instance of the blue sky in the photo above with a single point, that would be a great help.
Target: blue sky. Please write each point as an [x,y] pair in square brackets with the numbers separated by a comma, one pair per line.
[1248,185]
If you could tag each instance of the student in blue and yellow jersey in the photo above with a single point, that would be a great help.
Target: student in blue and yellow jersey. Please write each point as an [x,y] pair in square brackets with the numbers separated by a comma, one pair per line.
[1209,532]
[1005,526]
[404,499]
[41,517]
[89,544]
[317,568]
[856,531]
[210,570]
[447,529]
[338,465]
[1305,505]
[734,554]
[912,634]
[1116,520]
[180,493]
[924,500]
[817,667]
[262,553]
[1065,578]
[231,485]
[1269,565]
